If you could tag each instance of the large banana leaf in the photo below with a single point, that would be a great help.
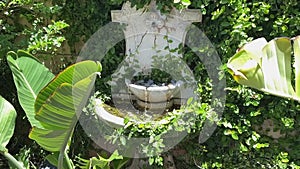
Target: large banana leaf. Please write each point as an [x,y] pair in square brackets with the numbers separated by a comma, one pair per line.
[30,76]
[57,104]
[7,125]
[297,65]
[7,122]
[268,66]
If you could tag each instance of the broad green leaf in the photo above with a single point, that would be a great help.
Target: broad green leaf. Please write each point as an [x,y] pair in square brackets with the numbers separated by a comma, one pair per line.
[276,66]
[53,159]
[267,67]
[30,76]
[70,75]
[249,71]
[50,140]
[297,65]
[58,102]
[7,122]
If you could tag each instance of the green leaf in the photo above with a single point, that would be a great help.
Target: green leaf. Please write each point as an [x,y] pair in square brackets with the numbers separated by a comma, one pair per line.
[285,160]
[267,67]
[233,134]
[186,2]
[151,160]
[276,65]
[102,162]
[218,12]
[30,76]
[7,120]
[243,148]
[52,159]
[189,101]
[260,145]
[70,75]
[119,163]
[57,104]
[123,140]
[50,140]
[115,156]
[297,65]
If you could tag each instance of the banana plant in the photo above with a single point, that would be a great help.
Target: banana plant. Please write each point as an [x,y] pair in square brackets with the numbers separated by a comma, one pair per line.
[267,66]
[51,104]
[59,104]
[7,120]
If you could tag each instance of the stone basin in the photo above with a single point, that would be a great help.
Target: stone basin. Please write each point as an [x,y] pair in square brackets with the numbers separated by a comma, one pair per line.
[155,106]
[113,120]
[153,94]
[108,115]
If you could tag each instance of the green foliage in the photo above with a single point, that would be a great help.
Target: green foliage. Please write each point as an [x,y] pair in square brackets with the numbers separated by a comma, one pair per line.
[20,22]
[48,38]
[30,76]
[30,25]
[240,21]
[188,119]
[115,161]
[54,160]
[156,75]
[7,119]
[252,65]
[229,25]
[63,98]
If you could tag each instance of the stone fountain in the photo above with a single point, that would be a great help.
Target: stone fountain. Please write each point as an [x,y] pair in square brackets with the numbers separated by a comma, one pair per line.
[153,40]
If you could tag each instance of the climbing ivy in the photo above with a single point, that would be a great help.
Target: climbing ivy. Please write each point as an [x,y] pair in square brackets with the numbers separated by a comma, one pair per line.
[240,140]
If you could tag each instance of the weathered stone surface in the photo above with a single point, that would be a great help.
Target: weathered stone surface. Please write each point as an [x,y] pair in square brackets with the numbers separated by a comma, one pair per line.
[152,41]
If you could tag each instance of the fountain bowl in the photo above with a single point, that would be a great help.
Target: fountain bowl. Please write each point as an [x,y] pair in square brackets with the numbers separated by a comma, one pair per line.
[153,94]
